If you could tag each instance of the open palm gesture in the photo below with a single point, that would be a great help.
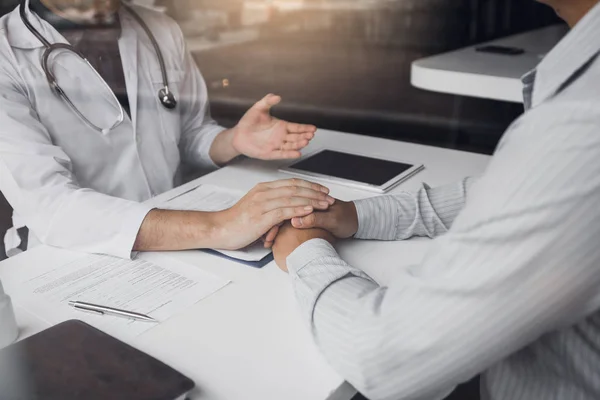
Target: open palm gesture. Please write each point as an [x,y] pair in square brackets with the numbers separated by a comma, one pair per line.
[260,135]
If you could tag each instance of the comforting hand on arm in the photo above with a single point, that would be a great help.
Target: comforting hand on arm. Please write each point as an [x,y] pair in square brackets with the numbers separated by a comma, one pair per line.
[265,206]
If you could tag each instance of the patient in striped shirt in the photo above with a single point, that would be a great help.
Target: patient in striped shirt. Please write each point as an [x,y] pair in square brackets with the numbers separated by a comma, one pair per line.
[510,288]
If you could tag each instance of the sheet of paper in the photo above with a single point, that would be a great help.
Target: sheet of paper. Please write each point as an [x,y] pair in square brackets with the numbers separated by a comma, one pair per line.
[213,198]
[142,285]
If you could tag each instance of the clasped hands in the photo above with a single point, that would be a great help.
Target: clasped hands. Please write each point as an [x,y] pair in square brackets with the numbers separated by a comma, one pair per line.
[292,211]
[285,214]
[339,221]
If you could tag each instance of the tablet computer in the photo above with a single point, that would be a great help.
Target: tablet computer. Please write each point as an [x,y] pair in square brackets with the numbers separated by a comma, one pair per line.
[355,170]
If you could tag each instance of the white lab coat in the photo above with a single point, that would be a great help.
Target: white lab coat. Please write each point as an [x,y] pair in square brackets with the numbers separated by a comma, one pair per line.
[72,186]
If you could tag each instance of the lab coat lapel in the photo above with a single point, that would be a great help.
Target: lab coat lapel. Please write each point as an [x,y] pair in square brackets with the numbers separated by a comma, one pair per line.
[20,37]
[71,73]
[128,48]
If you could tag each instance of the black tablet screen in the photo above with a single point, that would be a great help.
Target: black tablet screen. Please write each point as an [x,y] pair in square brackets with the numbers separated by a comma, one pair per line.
[352,167]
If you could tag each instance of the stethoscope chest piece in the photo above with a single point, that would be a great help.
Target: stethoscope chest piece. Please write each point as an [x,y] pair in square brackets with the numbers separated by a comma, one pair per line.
[167,98]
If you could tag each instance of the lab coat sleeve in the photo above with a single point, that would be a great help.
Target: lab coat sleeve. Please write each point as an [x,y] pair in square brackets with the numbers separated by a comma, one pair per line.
[199,130]
[37,179]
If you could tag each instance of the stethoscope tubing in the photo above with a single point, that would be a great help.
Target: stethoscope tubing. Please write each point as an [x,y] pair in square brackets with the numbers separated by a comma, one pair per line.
[166,97]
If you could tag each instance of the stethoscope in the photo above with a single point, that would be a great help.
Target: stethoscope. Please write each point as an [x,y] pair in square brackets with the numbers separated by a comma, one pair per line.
[166,97]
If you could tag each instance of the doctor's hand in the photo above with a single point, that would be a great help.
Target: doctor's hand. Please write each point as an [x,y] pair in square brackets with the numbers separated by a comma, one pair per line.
[265,206]
[289,238]
[341,219]
[259,135]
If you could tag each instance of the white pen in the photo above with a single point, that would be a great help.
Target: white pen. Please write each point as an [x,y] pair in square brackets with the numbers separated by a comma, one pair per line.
[104,310]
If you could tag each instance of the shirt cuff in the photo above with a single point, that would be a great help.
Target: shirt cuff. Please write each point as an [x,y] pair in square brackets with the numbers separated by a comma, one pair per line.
[111,230]
[313,267]
[216,131]
[307,252]
[377,218]
[130,228]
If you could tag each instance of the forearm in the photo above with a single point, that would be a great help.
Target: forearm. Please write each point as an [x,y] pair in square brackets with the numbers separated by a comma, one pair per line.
[428,212]
[166,230]
[343,308]
[379,356]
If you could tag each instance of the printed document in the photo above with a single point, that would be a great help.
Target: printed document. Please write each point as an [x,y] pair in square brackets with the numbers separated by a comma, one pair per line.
[157,285]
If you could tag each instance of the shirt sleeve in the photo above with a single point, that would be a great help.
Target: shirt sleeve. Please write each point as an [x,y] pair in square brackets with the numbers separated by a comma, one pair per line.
[520,260]
[199,130]
[428,212]
[36,178]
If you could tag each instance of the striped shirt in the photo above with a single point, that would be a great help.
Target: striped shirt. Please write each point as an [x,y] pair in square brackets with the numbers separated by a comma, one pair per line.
[511,285]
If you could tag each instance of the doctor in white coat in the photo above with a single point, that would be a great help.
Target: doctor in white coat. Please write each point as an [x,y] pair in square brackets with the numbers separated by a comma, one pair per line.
[76,174]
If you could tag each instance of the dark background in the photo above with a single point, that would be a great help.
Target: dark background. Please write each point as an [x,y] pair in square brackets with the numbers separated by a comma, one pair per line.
[352,72]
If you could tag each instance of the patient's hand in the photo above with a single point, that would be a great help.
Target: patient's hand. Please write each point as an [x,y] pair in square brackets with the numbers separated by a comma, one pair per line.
[340,219]
[289,238]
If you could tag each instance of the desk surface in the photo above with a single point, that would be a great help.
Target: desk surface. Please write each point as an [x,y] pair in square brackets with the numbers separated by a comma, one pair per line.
[470,73]
[247,341]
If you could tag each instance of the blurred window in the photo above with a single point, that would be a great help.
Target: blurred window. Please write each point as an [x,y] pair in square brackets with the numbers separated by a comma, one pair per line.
[345,64]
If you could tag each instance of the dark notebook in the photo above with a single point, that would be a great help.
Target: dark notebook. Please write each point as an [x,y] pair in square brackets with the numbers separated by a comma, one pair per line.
[74,361]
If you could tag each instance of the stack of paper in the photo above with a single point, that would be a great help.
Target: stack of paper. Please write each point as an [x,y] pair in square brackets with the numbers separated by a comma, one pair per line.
[157,285]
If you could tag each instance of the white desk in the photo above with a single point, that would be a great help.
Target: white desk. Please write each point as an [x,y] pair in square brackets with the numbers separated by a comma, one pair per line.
[490,76]
[247,341]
